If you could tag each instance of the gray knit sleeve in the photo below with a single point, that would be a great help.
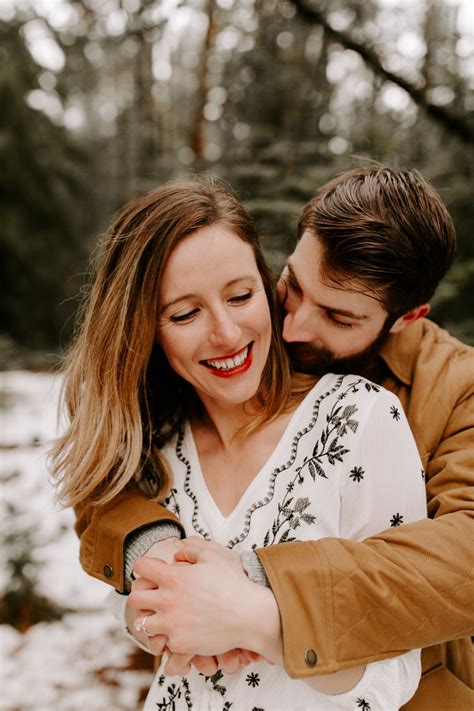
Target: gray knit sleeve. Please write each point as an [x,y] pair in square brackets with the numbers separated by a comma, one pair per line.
[254,569]
[140,541]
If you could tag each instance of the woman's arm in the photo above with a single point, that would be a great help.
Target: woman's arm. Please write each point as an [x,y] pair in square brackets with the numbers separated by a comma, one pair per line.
[105,531]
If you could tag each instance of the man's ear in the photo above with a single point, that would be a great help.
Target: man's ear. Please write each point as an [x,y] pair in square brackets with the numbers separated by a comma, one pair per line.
[410,317]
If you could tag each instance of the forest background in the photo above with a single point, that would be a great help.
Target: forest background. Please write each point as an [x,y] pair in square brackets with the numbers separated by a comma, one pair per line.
[103,99]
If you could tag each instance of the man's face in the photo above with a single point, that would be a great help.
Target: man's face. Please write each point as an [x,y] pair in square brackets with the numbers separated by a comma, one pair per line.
[328,328]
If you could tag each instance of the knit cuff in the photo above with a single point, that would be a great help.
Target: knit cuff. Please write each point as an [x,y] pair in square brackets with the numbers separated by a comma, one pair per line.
[254,569]
[140,541]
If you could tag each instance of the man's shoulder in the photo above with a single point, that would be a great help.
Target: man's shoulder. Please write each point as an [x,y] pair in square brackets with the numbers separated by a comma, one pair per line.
[426,350]
[442,344]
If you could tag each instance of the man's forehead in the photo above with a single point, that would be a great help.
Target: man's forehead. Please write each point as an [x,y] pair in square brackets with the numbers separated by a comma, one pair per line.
[355,298]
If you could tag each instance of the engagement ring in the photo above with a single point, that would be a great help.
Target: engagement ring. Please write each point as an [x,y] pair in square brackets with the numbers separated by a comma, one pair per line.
[141,626]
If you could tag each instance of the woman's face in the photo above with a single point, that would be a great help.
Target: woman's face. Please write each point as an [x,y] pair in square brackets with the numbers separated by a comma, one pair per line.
[214,321]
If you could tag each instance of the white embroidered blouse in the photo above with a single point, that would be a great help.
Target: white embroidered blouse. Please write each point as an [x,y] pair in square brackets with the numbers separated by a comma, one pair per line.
[346,466]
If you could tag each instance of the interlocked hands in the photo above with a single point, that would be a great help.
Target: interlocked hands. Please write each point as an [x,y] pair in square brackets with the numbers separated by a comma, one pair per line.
[202,609]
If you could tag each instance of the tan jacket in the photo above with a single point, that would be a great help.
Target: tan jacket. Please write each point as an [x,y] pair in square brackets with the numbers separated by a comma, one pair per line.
[412,586]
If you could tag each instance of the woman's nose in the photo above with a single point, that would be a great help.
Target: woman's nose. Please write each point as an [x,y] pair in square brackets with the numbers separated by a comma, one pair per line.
[225,330]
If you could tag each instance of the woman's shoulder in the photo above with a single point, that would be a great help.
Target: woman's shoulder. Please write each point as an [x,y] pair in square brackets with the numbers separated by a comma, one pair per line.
[342,394]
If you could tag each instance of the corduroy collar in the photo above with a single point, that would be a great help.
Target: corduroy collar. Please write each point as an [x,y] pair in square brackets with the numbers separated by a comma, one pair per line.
[401,350]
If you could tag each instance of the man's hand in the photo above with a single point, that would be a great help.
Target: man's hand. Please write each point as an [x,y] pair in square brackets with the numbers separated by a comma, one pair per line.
[209,607]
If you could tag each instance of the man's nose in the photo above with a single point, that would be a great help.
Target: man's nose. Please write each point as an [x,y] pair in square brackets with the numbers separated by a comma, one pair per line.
[298,327]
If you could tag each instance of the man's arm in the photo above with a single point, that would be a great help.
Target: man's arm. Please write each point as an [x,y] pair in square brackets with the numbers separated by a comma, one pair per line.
[357,602]
[106,530]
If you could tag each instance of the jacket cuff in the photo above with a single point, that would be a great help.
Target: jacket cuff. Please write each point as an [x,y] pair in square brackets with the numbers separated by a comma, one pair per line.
[140,541]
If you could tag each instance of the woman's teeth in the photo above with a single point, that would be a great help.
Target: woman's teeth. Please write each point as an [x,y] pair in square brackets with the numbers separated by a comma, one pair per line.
[229,363]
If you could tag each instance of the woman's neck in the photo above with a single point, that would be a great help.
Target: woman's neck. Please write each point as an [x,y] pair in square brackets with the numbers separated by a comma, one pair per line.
[225,421]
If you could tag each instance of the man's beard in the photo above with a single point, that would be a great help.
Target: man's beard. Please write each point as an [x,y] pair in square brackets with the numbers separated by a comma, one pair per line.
[315,360]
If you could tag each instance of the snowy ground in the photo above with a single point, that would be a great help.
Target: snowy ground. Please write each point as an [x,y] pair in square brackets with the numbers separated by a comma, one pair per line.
[82,661]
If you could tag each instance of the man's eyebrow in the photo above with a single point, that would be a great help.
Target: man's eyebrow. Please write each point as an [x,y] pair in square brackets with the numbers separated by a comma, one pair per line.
[294,281]
[343,312]
[185,297]
[331,309]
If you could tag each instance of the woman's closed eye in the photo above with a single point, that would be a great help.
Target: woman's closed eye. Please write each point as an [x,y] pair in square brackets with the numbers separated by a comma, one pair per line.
[182,318]
[241,298]
[189,315]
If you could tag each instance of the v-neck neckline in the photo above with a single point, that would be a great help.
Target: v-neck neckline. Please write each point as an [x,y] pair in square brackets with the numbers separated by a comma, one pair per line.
[268,466]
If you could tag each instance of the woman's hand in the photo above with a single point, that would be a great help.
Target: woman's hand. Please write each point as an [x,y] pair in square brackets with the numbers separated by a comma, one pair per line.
[230,662]
[164,550]
[156,643]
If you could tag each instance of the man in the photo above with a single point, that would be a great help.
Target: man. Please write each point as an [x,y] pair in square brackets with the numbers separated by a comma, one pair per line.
[373,245]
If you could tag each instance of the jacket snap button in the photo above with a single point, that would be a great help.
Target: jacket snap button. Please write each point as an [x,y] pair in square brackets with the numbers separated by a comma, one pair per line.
[108,571]
[310,657]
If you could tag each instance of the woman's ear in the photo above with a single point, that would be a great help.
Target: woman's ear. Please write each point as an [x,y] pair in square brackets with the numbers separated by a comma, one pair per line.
[410,317]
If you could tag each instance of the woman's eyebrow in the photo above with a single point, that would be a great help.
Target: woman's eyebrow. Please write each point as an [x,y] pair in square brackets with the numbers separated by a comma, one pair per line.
[184,297]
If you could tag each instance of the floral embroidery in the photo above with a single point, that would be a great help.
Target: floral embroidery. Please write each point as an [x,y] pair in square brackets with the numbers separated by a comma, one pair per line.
[284,467]
[291,516]
[252,679]
[175,691]
[396,520]
[214,679]
[327,448]
[357,474]
[395,412]
[363,704]
[171,502]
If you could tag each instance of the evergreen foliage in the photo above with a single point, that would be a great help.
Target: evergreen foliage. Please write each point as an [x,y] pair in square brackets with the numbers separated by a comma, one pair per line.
[276,97]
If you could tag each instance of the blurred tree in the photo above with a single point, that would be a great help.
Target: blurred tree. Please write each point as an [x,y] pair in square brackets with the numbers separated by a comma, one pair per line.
[40,203]
[453,123]
[275,96]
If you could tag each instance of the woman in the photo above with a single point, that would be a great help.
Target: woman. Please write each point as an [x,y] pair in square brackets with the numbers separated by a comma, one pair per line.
[179,379]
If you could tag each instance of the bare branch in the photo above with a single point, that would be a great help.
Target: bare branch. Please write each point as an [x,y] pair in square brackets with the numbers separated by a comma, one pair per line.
[455,125]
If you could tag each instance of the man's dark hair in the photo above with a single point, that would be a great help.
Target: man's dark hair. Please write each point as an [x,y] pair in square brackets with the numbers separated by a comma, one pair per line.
[387,230]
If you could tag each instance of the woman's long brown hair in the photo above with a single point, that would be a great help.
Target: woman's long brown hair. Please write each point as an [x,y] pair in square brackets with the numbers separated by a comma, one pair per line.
[122,398]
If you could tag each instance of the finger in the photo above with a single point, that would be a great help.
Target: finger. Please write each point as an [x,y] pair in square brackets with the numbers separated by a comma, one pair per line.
[145,599]
[192,552]
[205,665]
[199,540]
[153,625]
[140,600]
[151,568]
[229,662]
[251,656]
[157,644]
[177,664]
[140,614]
[143,584]
[244,660]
